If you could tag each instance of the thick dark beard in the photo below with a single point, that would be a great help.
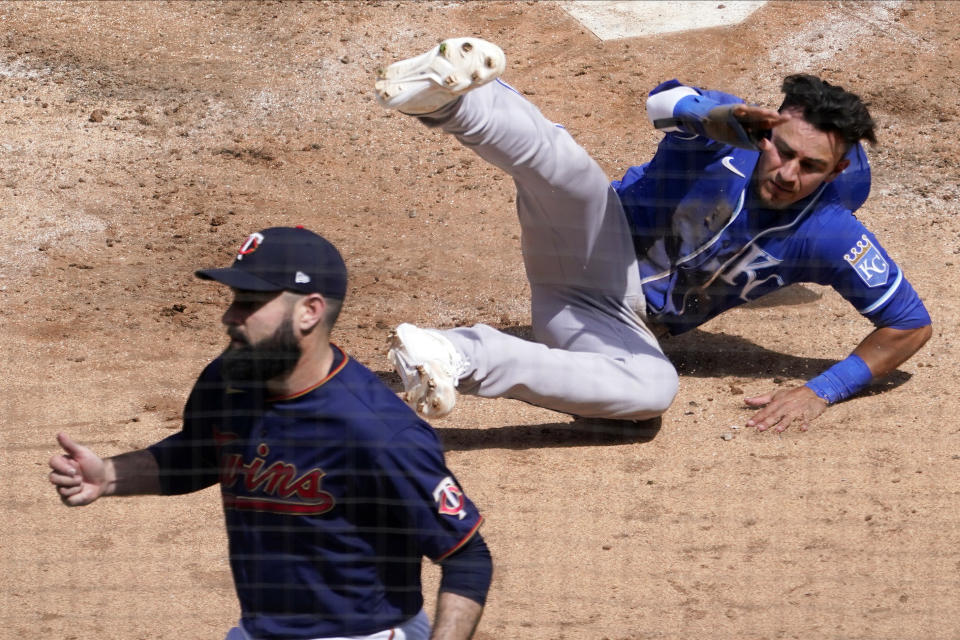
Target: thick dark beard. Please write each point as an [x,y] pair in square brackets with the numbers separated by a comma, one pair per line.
[272,357]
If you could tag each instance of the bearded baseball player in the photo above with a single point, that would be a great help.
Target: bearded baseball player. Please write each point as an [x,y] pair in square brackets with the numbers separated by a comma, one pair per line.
[737,202]
[332,488]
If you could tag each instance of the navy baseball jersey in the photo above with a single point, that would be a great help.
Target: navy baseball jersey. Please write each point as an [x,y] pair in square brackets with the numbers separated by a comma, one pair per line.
[705,246]
[331,497]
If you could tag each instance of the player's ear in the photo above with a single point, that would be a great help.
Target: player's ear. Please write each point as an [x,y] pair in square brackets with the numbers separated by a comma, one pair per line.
[837,170]
[310,312]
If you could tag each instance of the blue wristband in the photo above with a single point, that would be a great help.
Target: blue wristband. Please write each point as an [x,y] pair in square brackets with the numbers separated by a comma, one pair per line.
[842,380]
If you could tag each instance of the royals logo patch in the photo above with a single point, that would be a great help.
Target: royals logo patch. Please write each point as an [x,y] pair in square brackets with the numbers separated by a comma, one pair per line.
[868,262]
[449,499]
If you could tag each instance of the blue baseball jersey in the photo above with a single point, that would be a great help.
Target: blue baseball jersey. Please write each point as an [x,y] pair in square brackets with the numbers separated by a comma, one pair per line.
[704,245]
[331,498]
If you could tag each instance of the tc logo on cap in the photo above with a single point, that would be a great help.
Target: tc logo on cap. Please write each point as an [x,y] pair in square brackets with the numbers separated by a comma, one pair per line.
[250,245]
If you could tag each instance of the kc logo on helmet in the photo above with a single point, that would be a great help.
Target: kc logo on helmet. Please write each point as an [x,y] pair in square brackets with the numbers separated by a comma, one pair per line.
[249,245]
[449,499]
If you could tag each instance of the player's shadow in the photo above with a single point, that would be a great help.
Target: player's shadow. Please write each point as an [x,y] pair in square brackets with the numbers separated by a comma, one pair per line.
[701,354]
[576,432]
[580,432]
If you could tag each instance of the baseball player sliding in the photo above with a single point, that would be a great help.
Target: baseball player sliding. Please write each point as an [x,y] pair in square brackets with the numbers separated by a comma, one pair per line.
[332,488]
[737,202]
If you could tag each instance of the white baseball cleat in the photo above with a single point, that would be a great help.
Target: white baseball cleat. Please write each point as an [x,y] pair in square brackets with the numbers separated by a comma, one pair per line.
[430,368]
[429,81]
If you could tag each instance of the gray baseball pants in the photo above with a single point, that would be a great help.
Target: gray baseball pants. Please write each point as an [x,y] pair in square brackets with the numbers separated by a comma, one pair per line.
[594,356]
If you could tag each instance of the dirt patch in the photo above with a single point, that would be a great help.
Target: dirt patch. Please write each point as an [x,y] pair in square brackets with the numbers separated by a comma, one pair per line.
[217,119]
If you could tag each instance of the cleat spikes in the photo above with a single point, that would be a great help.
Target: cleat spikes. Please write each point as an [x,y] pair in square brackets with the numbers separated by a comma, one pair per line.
[428,82]
[429,366]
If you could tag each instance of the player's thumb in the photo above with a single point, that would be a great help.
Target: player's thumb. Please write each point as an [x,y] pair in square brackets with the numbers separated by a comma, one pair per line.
[759,401]
[81,499]
[70,446]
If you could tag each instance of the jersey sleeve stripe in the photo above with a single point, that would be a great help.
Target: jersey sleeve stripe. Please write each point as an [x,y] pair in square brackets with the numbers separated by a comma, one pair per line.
[879,303]
[462,542]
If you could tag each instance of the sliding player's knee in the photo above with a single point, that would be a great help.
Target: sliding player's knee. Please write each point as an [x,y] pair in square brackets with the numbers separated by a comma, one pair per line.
[655,388]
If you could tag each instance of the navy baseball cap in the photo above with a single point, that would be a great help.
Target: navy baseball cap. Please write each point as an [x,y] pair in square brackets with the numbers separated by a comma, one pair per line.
[285,259]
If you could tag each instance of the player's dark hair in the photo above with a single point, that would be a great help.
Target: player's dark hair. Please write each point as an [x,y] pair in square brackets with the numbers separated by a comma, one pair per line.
[333,312]
[829,107]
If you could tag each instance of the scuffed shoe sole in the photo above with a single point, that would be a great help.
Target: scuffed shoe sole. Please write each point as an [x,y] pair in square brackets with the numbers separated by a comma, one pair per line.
[427,390]
[431,80]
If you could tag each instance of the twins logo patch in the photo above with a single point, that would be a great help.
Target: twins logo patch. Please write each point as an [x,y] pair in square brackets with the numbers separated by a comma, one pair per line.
[867,261]
[449,499]
[249,245]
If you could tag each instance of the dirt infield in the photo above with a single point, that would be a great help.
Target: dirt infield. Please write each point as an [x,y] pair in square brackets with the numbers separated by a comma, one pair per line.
[141,141]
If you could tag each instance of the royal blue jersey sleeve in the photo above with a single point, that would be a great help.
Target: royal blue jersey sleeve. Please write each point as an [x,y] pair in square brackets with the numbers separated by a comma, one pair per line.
[844,254]
[187,460]
[440,514]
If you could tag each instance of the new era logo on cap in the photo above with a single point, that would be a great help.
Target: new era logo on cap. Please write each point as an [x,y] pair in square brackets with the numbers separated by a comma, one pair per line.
[285,259]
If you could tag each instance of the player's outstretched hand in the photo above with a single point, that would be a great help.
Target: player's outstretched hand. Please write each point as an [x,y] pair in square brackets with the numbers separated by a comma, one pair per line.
[758,118]
[741,125]
[79,474]
[782,408]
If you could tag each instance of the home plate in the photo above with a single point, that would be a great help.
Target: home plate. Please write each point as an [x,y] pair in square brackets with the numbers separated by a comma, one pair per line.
[618,19]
